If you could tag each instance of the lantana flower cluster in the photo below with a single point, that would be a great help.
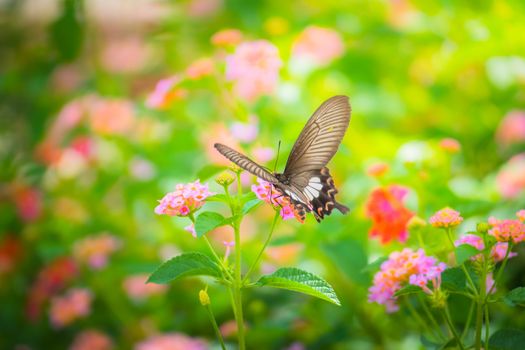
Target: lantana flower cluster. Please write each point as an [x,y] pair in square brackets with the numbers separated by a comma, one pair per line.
[266,191]
[184,200]
[388,213]
[401,268]
[508,230]
[446,218]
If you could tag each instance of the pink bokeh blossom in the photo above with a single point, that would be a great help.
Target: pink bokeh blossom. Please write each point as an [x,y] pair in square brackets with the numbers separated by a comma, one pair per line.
[510,180]
[165,92]
[137,289]
[75,304]
[200,68]
[227,37]
[246,132]
[92,340]
[112,116]
[511,129]
[171,341]
[319,45]
[95,250]
[254,69]
[450,145]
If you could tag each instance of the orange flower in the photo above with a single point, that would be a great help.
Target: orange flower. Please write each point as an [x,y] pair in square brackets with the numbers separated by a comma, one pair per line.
[227,37]
[389,215]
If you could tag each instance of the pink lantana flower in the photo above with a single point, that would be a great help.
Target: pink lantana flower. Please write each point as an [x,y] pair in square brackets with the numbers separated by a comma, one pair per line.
[266,191]
[138,289]
[446,218]
[401,268]
[318,45]
[254,67]
[186,199]
[507,230]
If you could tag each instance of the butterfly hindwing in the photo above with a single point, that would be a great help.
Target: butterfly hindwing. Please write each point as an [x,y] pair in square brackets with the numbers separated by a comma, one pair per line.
[320,192]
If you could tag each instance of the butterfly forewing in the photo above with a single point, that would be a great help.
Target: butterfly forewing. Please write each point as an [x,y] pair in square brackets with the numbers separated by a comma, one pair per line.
[246,163]
[319,139]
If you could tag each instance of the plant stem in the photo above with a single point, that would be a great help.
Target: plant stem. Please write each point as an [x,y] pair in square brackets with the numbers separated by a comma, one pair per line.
[430,316]
[469,319]
[215,327]
[487,326]
[254,265]
[237,285]
[481,302]
[451,326]
[465,271]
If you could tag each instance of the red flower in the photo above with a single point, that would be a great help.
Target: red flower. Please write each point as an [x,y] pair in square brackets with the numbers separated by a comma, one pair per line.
[51,279]
[389,215]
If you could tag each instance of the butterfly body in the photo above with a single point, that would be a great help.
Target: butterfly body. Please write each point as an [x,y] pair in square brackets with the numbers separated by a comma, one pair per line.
[306,180]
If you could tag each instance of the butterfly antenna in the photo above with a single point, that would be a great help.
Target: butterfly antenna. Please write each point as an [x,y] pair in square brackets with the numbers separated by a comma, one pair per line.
[277,158]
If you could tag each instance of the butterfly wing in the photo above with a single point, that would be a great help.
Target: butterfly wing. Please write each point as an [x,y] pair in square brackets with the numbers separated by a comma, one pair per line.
[245,163]
[319,139]
[310,183]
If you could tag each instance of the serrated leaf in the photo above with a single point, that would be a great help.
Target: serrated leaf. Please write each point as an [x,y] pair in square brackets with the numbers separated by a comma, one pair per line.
[185,265]
[407,290]
[515,297]
[301,281]
[465,252]
[250,205]
[208,221]
[507,339]
[208,171]
[454,279]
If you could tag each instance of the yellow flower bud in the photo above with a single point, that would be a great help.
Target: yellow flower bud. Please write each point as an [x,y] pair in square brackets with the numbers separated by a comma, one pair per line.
[225,179]
[204,298]
[416,222]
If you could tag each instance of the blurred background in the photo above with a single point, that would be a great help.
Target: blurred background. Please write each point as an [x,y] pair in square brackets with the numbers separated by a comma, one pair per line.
[106,105]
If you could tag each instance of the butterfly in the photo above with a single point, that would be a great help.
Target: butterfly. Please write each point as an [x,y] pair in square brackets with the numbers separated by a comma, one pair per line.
[306,180]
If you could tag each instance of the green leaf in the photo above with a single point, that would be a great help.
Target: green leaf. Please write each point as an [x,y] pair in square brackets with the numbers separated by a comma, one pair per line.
[515,297]
[407,290]
[208,221]
[507,339]
[300,281]
[454,279]
[465,252]
[185,265]
[217,198]
[208,171]
[250,205]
